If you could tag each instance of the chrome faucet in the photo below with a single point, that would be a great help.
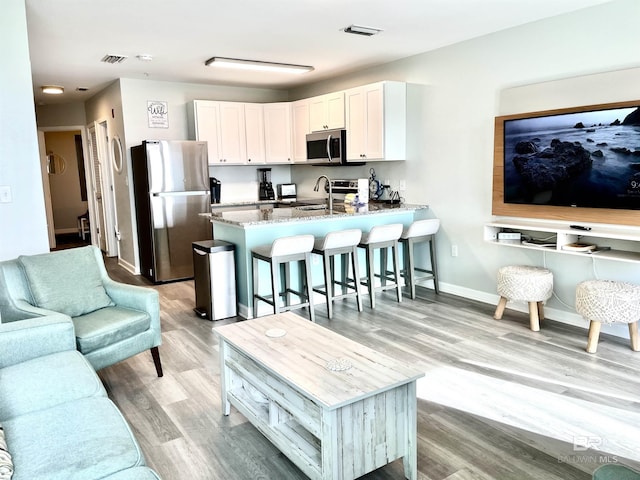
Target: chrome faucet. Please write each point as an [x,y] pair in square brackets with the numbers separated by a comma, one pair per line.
[315,189]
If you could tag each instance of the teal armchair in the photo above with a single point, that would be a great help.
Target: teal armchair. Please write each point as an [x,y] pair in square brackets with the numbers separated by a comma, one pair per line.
[113,321]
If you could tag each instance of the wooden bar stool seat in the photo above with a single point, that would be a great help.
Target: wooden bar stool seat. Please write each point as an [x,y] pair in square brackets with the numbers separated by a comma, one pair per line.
[533,285]
[279,255]
[382,237]
[608,301]
[345,244]
[420,231]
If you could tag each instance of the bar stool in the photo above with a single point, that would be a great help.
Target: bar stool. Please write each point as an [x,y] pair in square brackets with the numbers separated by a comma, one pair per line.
[382,237]
[418,232]
[345,244]
[279,255]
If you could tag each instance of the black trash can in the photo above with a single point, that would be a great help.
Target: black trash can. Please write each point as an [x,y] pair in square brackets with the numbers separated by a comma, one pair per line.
[214,272]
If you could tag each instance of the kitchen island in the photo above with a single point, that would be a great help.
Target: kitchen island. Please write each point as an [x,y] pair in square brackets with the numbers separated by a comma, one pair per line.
[247,229]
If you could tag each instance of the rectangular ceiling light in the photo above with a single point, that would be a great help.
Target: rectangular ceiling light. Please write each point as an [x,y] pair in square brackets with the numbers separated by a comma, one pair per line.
[360,30]
[256,65]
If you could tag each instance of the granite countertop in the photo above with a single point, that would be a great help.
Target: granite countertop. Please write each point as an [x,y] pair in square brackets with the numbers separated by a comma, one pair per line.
[269,215]
[277,202]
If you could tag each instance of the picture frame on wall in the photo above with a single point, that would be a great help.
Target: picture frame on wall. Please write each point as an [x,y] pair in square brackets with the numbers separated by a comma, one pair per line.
[158,114]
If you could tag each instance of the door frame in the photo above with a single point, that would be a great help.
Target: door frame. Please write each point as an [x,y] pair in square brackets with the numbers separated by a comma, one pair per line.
[101,128]
[46,188]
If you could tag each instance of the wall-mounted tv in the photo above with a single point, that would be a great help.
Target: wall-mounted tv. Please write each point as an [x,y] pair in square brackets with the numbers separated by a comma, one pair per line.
[584,157]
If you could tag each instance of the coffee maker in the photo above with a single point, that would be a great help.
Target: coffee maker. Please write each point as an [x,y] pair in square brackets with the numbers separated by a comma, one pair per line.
[265,188]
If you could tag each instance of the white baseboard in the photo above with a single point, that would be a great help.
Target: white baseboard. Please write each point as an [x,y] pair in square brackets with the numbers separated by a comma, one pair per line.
[562,316]
[128,267]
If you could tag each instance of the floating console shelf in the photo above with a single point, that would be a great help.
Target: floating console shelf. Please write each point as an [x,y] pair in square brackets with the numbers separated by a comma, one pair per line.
[612,242]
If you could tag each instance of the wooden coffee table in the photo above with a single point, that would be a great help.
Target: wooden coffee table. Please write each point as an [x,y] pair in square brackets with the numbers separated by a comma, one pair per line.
[335,408]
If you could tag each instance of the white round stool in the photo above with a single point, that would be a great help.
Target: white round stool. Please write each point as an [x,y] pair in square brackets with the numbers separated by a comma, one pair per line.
[607,301]
[533,285]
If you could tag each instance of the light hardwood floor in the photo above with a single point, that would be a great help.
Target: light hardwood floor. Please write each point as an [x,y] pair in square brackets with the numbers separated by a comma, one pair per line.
[497,401]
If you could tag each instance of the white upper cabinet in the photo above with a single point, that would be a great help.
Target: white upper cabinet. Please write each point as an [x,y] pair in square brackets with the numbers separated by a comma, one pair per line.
[222,125]
[376,121]
[326,112]
[206,120]
[233,141]
[375,117]
[254,132]
[277,132]
[300,127]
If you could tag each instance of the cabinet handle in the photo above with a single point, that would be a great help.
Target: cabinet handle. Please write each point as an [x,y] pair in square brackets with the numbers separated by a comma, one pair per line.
[249,160]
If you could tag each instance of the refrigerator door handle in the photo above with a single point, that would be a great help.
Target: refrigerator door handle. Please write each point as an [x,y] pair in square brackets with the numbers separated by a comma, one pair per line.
[180,194]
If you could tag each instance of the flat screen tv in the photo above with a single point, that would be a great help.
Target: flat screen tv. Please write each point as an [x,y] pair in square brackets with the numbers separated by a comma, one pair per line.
[584,157]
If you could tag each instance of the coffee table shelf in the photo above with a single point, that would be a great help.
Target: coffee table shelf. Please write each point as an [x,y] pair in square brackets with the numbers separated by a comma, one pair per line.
[332,425]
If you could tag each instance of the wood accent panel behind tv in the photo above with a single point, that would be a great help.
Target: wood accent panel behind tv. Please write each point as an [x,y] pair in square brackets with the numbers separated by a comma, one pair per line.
[548,212]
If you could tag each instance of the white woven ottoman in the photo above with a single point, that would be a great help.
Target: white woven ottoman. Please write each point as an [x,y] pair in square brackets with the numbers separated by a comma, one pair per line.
[533,285]
[607,301]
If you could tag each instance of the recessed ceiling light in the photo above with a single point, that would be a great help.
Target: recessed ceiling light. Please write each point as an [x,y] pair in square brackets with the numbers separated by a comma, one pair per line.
[256,65]
[360,30]
[52,89]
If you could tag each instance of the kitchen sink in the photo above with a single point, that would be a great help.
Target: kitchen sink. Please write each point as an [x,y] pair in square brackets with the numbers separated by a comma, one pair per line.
[312,207]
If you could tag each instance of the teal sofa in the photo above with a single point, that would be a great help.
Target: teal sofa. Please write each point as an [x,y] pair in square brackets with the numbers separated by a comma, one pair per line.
[112,321]
[57,421]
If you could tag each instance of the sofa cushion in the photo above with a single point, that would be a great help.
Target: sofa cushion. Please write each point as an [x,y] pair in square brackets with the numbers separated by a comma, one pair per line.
[46,381]
[108,326]
[6,462]
[83,439]
[67,281]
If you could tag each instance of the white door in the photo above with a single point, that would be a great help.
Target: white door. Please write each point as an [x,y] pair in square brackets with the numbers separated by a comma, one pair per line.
[47,189]
[96,189]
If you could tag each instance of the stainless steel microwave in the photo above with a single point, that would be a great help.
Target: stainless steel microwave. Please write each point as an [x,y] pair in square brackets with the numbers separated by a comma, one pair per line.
[327,147]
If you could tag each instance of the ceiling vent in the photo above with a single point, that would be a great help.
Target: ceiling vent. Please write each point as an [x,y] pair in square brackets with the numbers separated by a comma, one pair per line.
[360,30]
[113,58]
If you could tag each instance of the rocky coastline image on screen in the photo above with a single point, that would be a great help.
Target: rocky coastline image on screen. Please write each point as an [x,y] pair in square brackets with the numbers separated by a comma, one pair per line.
[583,159]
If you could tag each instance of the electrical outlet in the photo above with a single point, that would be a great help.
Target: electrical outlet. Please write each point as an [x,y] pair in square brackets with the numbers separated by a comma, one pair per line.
[5,194]
[454,250]
[402,185]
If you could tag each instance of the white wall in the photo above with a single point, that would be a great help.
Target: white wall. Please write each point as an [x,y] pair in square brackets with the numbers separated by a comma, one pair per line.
[23,225]
[464,87]
[128,99]
[458,92]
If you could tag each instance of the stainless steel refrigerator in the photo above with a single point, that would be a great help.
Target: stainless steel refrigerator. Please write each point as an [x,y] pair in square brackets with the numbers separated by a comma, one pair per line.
[171,189]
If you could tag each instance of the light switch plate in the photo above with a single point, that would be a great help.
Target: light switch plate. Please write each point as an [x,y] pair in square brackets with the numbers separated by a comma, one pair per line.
[5,194]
